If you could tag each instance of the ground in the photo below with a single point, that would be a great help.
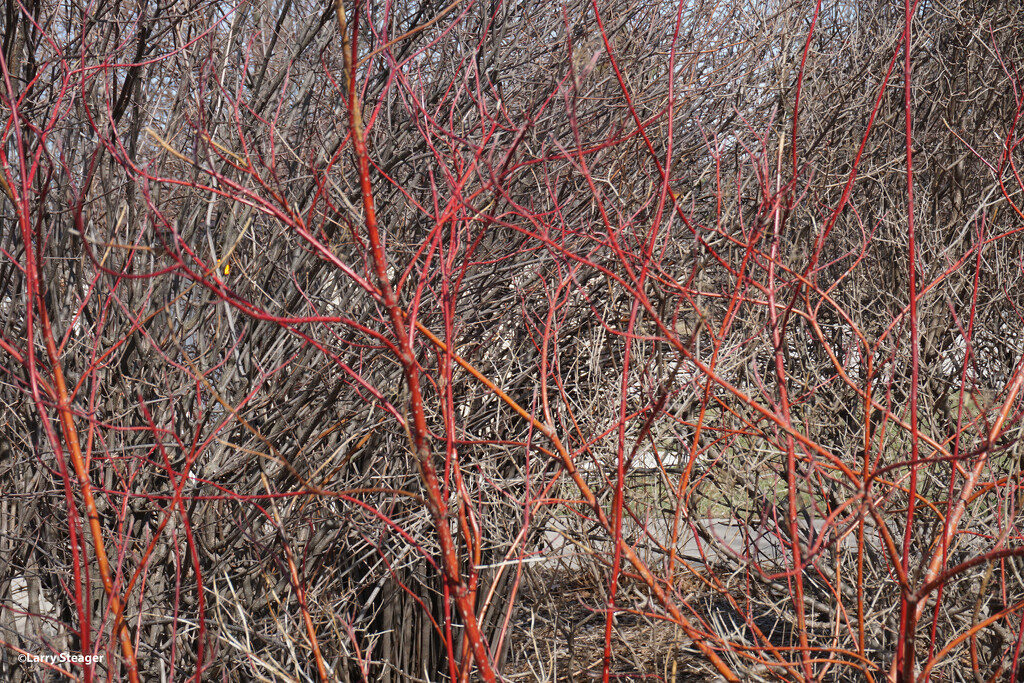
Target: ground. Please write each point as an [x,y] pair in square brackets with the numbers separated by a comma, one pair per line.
[559,634]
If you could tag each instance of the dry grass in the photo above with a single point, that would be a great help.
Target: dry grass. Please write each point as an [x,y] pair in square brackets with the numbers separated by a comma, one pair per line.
[560,629]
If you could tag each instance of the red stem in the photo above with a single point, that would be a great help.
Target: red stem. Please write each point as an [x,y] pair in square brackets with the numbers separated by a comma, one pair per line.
[418,430]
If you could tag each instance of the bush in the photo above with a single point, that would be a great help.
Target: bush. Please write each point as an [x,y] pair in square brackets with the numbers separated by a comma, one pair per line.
[322,325]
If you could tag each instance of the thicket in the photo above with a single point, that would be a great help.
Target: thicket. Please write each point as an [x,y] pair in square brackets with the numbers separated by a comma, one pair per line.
[319,323]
